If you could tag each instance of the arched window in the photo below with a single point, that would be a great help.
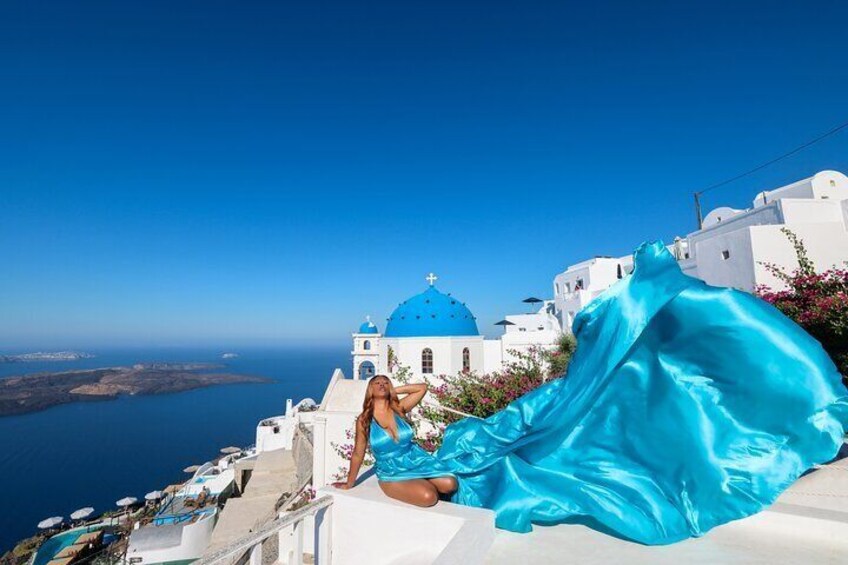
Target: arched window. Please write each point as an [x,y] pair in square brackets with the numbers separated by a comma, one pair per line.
[427,361]
[366,370]
[466,360]
[367,344]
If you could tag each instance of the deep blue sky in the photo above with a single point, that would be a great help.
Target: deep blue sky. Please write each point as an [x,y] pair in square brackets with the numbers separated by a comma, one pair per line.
[234,173]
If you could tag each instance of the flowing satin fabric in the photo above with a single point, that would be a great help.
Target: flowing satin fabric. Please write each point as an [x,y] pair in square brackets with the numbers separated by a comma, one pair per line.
[685,406]
[404,459]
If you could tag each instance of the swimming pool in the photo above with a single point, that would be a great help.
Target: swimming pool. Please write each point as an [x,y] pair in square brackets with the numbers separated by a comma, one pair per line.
[56,544]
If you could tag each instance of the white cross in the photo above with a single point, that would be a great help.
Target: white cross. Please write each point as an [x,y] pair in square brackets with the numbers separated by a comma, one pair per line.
[431,278]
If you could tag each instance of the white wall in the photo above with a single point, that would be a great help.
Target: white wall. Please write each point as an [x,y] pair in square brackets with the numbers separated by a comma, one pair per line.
[492,355]
[826,244]
[731,251]
[341,404]
[370,528]
[447,353]
[597,274]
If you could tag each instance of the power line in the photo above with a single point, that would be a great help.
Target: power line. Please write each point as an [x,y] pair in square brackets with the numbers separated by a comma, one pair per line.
[698,193]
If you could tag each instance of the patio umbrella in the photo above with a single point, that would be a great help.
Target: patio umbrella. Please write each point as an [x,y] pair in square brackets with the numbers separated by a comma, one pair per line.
[126,501]
[52,522]
[231,449]
[532,300]
[504,323]
[191,469]
[153,495]
[82,513]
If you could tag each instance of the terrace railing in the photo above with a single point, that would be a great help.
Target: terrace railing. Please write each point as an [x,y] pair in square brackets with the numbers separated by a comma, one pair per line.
[290,529]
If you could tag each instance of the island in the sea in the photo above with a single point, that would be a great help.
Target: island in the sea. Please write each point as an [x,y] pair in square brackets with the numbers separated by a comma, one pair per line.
[45,356]
[30,393]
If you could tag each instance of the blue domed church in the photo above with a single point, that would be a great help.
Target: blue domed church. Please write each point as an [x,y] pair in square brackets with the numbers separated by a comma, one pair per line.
[431,333]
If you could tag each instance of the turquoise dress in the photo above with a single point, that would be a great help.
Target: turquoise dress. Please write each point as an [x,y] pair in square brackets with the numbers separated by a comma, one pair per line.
[404,459]
[685,406]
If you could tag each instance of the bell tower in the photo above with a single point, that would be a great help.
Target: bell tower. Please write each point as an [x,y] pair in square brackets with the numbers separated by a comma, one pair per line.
[366,350]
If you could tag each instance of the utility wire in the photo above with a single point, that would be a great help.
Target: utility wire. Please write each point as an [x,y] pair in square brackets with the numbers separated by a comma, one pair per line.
[699,193]
[776,159]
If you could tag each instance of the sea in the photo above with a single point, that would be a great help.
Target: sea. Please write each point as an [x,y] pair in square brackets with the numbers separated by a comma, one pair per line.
[93,453]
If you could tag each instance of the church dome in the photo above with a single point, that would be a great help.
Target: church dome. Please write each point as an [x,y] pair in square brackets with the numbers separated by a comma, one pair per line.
[431,314]
[368,327]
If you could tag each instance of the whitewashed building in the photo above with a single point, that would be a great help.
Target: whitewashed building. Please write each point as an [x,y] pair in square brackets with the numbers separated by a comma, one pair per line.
[732,245]
[575,287]
[523,331]
[433,333]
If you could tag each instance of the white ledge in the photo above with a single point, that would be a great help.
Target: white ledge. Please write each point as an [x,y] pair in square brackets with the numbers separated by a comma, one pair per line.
[369,527]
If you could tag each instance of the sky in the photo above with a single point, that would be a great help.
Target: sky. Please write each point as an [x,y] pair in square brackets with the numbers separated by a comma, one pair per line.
[237,173]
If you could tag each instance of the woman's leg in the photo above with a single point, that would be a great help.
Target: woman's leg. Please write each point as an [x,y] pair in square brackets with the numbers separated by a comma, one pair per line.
[420,492]
[444,485]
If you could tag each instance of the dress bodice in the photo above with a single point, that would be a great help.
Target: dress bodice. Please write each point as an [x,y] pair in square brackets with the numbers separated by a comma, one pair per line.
[383,443]
[402,459]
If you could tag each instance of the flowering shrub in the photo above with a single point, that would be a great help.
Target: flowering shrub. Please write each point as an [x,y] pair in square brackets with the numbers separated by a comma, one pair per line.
[305,497]
[345,451]
[818,302]
[482,395]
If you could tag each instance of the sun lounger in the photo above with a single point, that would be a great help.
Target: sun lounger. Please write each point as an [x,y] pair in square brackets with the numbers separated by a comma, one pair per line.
[71,551]
[91,537]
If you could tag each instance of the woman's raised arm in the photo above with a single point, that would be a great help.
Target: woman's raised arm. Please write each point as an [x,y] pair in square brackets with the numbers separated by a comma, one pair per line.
[415,392]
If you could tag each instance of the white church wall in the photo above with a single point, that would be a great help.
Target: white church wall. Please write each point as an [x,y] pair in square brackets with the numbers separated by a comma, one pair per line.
[447,353]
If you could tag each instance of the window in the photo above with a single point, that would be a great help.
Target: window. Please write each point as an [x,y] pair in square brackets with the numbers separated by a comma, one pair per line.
[367,345]
[366,370]
[427,361]
[466,360]
[568,287]
[725,254]
[579,284]
[556,289]
[619,274]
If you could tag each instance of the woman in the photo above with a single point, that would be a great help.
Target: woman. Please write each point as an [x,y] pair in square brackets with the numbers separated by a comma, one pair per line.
[685,406]
[404,470]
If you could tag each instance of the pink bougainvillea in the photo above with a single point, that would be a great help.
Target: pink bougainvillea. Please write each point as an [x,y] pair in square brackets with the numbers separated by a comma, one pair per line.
[818,302]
